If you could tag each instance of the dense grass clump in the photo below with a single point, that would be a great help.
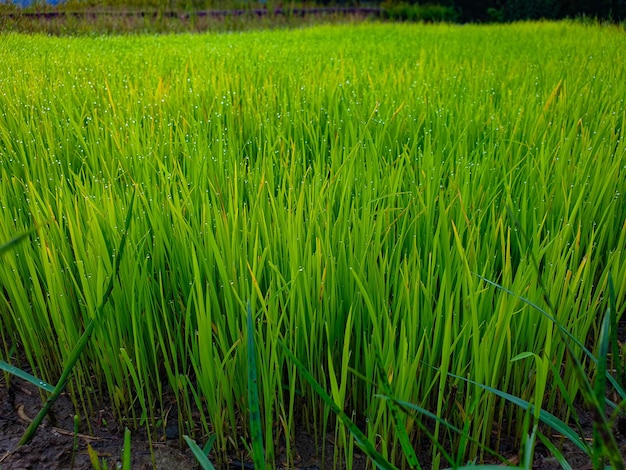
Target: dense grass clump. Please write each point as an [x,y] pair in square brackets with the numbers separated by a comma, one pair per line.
[354,184]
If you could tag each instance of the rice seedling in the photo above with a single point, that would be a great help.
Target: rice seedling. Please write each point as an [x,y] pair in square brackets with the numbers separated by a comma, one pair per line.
[126,451]
[347,187]
[75,443]
[201,454]
[78,349]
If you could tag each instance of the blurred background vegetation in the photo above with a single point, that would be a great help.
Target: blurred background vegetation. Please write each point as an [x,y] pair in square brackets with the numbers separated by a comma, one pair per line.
[410,10]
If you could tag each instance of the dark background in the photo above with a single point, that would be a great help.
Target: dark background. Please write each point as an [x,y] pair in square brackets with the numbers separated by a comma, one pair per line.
[449,10]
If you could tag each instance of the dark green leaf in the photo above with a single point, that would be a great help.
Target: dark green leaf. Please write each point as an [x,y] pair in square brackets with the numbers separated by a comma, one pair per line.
[26,376]
[256,432]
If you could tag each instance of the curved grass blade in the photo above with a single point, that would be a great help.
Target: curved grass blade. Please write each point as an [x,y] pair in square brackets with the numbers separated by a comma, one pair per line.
[199,454]
[620,390]
[411,406]
[555,452]
[543,312]
[545,417]
[366,446]
[258,450]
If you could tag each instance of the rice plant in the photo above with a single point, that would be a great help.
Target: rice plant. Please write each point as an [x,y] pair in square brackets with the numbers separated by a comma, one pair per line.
[349,182]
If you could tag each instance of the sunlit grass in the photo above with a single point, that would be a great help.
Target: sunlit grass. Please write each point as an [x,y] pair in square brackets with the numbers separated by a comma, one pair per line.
[352,183]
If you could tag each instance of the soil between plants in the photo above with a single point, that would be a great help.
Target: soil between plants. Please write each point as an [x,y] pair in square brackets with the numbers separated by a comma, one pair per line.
[52,448]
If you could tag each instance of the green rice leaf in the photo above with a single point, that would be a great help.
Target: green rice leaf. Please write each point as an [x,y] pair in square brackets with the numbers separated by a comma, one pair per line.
[258,450]
[411,406]
[126,463]
[604,441]
[199,454]
[360,438]
[545,417]
[554,451]
[615,355]
[529,450]
[209,445]
[523,355]
[543,312]
[26,376]
[94,457]
[399,425]
[16,240]
[83,340]
[562,330]
[600,381]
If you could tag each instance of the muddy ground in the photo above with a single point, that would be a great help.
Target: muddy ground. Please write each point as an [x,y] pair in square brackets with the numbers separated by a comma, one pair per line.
[53,446]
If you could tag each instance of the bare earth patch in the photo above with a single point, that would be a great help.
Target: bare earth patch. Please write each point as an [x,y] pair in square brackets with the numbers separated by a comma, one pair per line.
[52,447]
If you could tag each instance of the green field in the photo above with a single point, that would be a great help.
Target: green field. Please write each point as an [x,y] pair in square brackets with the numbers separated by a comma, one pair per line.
[355,184]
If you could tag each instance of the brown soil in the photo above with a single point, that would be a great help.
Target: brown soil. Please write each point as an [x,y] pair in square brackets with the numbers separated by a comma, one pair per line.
[52,446]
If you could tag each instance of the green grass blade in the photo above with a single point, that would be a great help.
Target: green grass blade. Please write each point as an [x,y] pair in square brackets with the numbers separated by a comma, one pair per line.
[563,331]
[82,342]
[543,312]
[600,379]
[405,443]
[126,451]
[75,443]
[411,406]
[615,356]
[407,448]
[529,450]
[209,445]
[256,433]
[545,417]
[600,382]
[604,439]
[26,376]
[600,385]
[94,458]
[16,240]
[554,451]
[366,446]
[567,398]
[199,454]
